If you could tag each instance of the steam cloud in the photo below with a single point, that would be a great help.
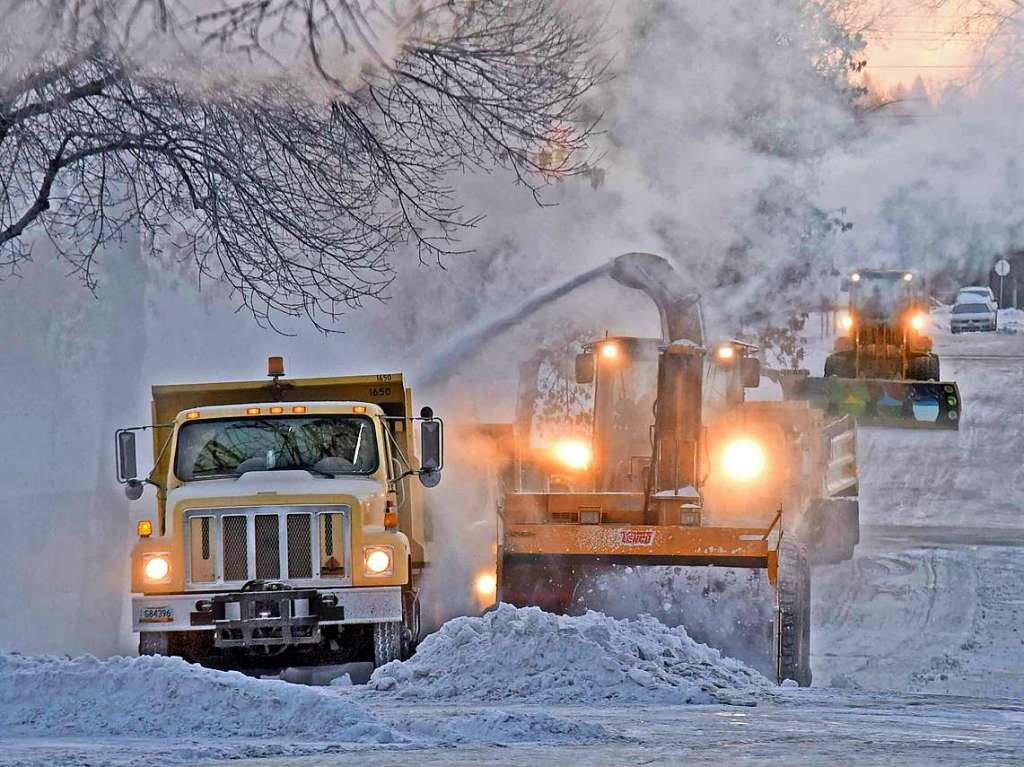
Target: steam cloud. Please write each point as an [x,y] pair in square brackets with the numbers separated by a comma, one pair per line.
[725,150]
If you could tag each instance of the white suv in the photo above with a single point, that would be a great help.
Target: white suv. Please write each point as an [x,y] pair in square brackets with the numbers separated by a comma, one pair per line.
[973,313]
[972,294]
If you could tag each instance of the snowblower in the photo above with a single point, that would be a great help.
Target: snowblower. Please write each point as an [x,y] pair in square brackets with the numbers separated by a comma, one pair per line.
[662,480]
[884,371]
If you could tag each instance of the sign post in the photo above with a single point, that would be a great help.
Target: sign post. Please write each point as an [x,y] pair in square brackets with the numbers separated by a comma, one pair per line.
[1002,268]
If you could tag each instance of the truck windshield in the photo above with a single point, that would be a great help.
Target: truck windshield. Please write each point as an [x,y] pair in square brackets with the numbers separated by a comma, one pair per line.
[327,444]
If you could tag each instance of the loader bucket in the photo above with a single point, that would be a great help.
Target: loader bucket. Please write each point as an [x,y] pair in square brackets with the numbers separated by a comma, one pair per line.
[880,402]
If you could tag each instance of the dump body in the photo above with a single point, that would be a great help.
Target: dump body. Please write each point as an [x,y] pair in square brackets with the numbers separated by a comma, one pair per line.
[283,521]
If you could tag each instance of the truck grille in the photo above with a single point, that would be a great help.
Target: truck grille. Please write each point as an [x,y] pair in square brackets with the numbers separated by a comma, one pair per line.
[232,546]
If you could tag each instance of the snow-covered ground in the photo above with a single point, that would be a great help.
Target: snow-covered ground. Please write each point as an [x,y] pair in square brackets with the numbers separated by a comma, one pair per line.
[918,652]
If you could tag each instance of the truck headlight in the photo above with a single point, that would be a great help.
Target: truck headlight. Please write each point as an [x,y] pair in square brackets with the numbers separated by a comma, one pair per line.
[378,560]
[743,459]
[156,568]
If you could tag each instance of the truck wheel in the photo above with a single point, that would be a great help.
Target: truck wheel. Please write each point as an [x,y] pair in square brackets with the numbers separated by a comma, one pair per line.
[153,643]
[838,365]
[925,368]
[793,618]
[190,646]
[387,642]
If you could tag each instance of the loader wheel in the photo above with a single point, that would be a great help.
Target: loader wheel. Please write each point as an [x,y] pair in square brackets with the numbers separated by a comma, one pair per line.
[839,365]
[925,368]
[831,529]
[387,642]
[794,613]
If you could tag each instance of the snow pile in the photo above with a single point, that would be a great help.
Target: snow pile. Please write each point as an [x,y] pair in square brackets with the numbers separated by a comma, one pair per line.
[527,655]
[167,697]
[1011,321]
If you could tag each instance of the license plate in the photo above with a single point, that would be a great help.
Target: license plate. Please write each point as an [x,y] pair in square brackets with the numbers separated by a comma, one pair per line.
[158,614]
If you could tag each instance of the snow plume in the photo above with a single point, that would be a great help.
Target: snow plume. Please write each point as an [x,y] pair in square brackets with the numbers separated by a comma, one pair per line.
[714,125]
[462,520]
[941,191]
[528,656]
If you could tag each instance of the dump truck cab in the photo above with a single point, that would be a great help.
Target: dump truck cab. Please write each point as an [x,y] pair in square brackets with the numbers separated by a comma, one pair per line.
[287,525]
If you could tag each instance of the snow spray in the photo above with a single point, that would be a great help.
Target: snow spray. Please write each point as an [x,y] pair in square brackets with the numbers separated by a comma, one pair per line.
[464,344]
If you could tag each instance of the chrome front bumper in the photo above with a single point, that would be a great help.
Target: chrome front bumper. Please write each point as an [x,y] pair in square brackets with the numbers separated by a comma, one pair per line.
[302,607]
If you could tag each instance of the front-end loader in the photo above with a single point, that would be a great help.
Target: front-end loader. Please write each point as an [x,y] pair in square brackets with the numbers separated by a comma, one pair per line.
[661,479]
[884,372]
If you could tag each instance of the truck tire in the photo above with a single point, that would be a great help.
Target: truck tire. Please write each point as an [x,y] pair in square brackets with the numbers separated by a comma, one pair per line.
[387,642]
[794,613]
[839,365]
[924,368]
[831,529]
[190,646]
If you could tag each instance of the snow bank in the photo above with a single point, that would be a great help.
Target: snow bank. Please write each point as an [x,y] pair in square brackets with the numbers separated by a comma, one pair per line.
[527,655]
[1011,321]
[166,697]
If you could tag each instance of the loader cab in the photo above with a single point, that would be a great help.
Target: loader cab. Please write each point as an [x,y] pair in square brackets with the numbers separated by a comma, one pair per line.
[624,375]
[885,296]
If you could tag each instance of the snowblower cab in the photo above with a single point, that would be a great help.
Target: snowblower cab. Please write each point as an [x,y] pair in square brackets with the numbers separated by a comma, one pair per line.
[884,371]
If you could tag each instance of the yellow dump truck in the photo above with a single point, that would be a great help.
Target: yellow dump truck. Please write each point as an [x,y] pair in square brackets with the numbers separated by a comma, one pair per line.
[287,527]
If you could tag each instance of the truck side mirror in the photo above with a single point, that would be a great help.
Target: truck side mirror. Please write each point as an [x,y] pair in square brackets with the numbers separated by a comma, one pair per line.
[432,449]
[127,467]
[585,368]
[750,372]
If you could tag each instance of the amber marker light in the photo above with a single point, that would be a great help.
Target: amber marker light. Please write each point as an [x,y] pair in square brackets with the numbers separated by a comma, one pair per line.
[359,409]
[252,411]
[192,416]
[299,409]
[276,410]
[144,528]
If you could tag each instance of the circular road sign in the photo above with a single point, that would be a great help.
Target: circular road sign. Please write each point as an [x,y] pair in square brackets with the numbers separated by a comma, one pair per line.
[1002,267]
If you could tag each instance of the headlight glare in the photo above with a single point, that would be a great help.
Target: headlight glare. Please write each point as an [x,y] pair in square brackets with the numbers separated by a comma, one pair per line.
[378,560]
[575,454]
[157,568]
[743,459]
